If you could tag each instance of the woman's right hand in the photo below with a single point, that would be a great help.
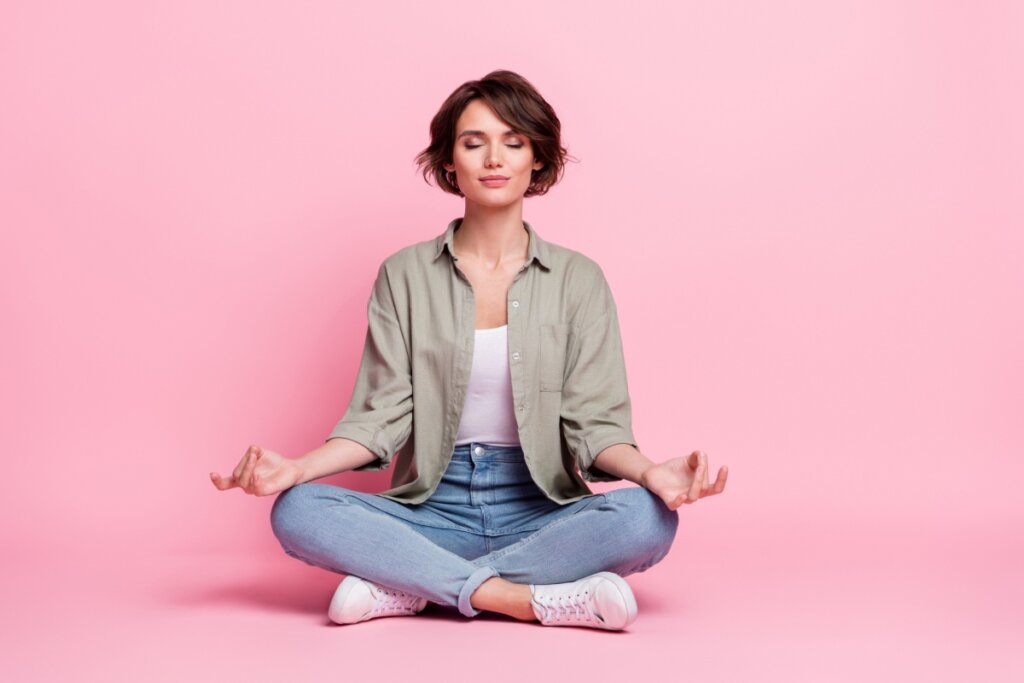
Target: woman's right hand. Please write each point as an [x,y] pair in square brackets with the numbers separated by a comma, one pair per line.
[261,472]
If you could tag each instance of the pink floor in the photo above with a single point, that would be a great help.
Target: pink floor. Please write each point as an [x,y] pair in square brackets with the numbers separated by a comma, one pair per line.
[796,602]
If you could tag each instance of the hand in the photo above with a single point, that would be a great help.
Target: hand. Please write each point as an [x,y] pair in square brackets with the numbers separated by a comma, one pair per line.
[683,480]
[260,472]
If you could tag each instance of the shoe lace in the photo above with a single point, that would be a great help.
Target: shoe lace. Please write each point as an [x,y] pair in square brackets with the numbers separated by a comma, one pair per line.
[569,607]
[390,601]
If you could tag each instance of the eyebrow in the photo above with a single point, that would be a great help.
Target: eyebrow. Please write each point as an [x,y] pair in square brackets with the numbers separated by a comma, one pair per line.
[510,131]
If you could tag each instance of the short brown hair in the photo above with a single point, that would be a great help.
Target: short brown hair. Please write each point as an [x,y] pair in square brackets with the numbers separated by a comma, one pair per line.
[515,101]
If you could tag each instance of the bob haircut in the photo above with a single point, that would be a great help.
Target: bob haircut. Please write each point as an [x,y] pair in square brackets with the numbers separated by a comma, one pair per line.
[516,102]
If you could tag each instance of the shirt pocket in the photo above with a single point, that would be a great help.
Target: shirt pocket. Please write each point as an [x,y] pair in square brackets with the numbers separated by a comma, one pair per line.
[554,341]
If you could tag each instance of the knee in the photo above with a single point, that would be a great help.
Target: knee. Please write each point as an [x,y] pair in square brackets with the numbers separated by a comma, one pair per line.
[291,510]
[655,524]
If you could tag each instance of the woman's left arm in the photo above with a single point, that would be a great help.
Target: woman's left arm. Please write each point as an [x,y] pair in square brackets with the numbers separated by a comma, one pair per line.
[623,460]
[596,411]
[676,481]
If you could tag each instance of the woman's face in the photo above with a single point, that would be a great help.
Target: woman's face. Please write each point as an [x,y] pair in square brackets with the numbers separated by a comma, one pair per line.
[485,147]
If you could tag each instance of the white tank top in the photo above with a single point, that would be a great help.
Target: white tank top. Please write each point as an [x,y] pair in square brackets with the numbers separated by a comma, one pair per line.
[488,415]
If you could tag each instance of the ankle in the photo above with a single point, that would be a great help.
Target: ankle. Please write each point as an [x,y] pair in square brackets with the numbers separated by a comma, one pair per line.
[503,596]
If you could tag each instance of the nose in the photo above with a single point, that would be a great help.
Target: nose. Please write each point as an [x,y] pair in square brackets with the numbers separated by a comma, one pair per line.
[493,157]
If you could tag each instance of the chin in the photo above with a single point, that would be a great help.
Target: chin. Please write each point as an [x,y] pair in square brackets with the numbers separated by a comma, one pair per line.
[496,199]
[505,201]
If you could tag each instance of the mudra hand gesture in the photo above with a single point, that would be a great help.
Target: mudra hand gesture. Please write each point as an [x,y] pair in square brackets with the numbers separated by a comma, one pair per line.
[260,472]
[683,479]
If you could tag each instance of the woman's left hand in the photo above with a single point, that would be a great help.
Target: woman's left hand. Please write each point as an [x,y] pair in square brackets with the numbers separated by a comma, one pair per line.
[683,479]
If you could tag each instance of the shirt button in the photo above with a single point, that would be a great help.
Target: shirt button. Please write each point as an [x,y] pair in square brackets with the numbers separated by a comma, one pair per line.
[515,303]
[520,407]
[515,355]
[479,450]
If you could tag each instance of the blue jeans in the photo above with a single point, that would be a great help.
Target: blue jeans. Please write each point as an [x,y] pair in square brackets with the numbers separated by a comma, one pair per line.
[486,518]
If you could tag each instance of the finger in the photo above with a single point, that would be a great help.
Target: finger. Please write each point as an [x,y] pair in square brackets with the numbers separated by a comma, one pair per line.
[222,483]
[240,467]
[723,473]
[693,460]
[694,491]
[709,487]
[246,480]
[703,474]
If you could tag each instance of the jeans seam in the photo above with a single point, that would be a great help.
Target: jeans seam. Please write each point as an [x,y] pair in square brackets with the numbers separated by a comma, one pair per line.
[507,531]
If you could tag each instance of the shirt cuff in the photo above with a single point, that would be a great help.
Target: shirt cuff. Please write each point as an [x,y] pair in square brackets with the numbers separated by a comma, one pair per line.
[367,438]
[592,448]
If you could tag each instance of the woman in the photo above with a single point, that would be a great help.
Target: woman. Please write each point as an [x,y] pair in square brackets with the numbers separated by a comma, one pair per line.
[508,346]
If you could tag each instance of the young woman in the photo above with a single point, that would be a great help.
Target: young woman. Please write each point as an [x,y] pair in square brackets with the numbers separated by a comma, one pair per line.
[499,353]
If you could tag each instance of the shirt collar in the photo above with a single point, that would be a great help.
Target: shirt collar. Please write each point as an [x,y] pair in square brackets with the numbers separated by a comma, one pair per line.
[538,250]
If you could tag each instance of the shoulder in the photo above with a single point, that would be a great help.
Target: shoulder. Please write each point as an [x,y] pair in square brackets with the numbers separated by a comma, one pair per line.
[402,270]
[409,256]
[409,262]
[583,289]
[581,279]
[576,268]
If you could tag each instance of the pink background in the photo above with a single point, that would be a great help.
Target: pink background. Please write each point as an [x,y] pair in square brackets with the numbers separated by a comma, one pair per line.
[823,198]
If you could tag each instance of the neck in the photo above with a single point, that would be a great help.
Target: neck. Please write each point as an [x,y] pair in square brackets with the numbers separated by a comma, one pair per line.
[492,237]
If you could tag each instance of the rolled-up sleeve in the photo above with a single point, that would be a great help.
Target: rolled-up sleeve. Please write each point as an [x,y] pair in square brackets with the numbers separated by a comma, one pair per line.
[380,412]
[596,411]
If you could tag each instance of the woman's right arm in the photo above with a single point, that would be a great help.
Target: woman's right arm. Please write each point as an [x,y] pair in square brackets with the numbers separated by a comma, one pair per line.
[379,412]
[262,472]
[333,457]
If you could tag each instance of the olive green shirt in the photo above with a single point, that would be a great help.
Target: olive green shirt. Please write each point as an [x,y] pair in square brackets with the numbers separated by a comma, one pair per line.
[565,358]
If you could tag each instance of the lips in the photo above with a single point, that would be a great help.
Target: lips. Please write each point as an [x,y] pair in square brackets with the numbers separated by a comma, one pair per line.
[494,177]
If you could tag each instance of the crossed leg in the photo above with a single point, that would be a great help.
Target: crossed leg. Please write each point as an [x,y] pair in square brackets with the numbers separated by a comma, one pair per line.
[350,532]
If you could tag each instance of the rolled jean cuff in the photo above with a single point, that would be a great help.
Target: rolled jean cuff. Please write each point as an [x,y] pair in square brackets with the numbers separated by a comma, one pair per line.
[472,583]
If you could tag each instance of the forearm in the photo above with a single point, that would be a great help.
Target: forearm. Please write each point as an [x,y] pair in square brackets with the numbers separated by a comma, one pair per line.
[334,456]
[623,460]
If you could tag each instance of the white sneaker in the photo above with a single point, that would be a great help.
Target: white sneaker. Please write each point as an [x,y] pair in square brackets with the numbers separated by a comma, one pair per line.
[602,600]
[357,599]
